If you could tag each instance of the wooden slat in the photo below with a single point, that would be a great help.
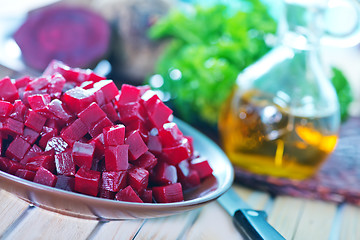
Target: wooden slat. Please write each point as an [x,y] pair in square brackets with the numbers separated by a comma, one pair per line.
[118,230]
[43,224]
[11,208]
[285,215]
[316,220]
[350,225]
[167,228]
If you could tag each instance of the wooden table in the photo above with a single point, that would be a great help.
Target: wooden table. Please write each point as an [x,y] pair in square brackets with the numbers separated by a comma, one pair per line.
[294,218]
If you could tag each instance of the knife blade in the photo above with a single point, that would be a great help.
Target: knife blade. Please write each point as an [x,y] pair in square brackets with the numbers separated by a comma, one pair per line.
[251,223]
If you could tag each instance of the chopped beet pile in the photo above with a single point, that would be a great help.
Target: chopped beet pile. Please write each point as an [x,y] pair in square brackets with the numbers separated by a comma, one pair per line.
[74,130]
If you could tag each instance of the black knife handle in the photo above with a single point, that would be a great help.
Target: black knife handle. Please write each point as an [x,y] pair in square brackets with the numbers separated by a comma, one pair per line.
[252,225]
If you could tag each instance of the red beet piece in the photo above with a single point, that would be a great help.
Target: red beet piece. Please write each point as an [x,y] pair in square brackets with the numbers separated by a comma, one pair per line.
[56,85]
[30,135]
[131,112]
[98,143]
[137,125]
[128,195]
[87,181]
[116,158]
[114,181]
[110,111]
[39,101]
[25,174]
[98,128]
[45,161]
[178,153]
[103,193]
[129,94]
[65,164]
[168,194]
[163,174]
[77,99]
[114,135]
[138,179]
[22,82]
[45,177]
[82,154]
[191,180]
[17,149]
[154,145]
[202,166]
[183,169]
[137,147]
[12,127]
[170,135]
[35,121]
[109,89]
[5,108]
[19,111]
[146,196]
[74,132]
[91,115]
[35,150]
[147,161]
[65,182]
[57,144]
[46,134]
[37,84]
[75,35]
[8,91]
[4,164]
[14,167]
[57,109]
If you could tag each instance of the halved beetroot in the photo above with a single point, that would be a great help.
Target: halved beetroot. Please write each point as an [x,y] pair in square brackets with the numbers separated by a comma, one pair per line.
[168,194]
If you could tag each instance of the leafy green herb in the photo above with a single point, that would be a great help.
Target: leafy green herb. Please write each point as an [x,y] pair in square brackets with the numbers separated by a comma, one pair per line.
[209,47]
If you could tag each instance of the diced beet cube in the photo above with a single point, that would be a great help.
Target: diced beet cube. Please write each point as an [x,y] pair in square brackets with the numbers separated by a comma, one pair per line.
[128,195]
[149,100]
[87,181]
[57,109]
[128,94]
[74,132]
[39,101]
[37,84]
[183,169]
[170,135]
[45,177]
[8,91]
[12,127]
[45,161]
[178,153]
[65,164]
[17,149]
[14,167]
[82,154]
[109,89]
[19,111]
[168,194]
[137,147]
[116,158]
[114,135]
[35,121]
[30,135]
[103,193]
[146,196]
[65,182]
[56,85]
[98,143]
[160,114]
[46,134]
[114,181]
[164,174]
[137,125]
[138,179]
[4,164]
[57,144]
[22,82]
[25,174]
[98,128]
[154,145]
[130,112]
[191,180]
[35,150]
[91,115]
[77,99]
[111,112]
[191,143]
[202,166]
[147,161]
[5,108]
